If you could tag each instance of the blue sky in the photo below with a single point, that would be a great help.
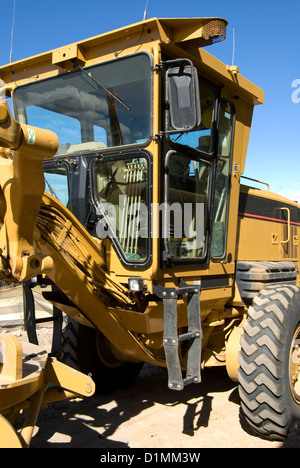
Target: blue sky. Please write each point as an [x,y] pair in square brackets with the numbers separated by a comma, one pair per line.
[267,49]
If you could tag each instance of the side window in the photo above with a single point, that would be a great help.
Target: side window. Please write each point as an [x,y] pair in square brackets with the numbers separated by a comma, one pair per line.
[57,182]
[186,223]
[121,189]
[201,138]
[222,185]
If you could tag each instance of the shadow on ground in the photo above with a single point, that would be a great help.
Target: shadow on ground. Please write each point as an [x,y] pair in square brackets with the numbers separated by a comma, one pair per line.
[94,421]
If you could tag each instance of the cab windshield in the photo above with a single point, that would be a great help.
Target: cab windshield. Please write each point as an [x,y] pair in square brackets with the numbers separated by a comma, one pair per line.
[94,108]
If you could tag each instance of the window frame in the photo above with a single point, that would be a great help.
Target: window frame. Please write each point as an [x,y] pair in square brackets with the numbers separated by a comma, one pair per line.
[56,162]
[212,158]
[126,155]
[164,242]
[230,157]
[139,144]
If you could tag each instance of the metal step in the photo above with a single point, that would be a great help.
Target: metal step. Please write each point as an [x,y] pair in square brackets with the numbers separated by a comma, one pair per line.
[172,339]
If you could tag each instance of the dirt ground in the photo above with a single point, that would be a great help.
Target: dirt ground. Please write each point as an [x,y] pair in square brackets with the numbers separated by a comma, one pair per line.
[149,415]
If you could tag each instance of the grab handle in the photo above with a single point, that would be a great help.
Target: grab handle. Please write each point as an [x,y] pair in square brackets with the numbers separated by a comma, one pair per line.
[289,225]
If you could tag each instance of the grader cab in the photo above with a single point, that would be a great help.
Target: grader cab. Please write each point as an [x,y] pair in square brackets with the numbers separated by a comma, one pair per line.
[147,239]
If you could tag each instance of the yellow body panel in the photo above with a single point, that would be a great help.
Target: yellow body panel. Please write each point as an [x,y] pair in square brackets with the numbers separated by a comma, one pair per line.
[263,237]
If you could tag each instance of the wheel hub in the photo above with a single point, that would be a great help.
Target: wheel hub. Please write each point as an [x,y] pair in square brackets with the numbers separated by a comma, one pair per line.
[295,365]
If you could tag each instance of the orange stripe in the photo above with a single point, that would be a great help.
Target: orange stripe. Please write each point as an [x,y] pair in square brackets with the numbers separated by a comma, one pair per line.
[268,219]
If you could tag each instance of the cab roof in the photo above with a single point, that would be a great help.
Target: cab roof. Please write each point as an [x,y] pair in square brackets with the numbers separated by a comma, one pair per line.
[190,35]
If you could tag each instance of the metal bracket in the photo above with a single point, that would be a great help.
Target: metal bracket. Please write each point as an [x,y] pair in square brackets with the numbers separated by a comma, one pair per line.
[171,339]
[31,321]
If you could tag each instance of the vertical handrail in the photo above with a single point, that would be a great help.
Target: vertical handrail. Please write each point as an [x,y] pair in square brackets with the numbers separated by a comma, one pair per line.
[289,225]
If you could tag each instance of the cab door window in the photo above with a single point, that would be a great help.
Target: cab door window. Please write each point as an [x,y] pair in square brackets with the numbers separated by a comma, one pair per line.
[222,182]
[185,220]
[121,191]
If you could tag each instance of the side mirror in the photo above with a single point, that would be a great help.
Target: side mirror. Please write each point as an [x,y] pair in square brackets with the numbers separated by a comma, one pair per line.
[183,97]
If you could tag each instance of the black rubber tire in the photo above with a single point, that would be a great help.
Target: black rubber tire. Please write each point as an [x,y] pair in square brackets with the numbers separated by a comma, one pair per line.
[80,350]
[270,403]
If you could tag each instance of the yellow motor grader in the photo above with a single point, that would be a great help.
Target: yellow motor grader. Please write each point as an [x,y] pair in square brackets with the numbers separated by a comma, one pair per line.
[141,227]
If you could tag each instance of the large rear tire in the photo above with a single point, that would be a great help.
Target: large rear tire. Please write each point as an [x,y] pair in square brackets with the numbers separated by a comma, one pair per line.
[269,377]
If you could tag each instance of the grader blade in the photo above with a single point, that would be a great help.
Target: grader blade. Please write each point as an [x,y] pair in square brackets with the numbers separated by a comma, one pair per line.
[25,372]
